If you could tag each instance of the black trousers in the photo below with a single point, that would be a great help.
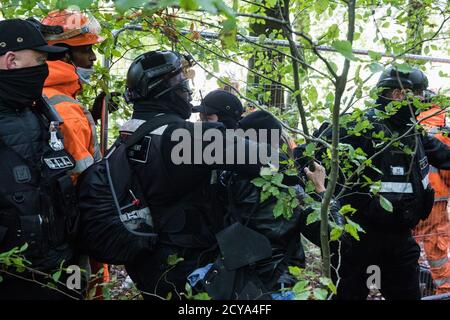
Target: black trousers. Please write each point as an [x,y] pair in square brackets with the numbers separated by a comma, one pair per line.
[153,274]
[33,287]
[395,256]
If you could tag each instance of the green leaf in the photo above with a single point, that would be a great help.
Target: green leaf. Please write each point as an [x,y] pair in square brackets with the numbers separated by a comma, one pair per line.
[202,296]
[51,285]
[309,150]
[17,261]
[386,204]
[271,3]
[333,32]
[277,179]
[259,182]
[266,171]
[124,5]
[345,48]
[300,286]
[188,289]
[329,283]
[403,67]
[313,217]
[106,293]
[174,259]
[228,33]
[23,247]
[292,192]
[375,67]
[295,271]
[312,95]
[56,276]
[336,233]
[320,6]
[208,5]
[374,55]
[189,4]
[320,294]
[278,209]
[82,4]
[302,295]
[347,209]
[351,229]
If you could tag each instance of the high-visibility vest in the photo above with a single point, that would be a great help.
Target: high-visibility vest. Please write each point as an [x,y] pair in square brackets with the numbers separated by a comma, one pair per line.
[80,137]
[439,179]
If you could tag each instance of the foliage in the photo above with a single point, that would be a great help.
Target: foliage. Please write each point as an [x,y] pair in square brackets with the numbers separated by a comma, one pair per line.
[309,286]
[271,184]
[302,85]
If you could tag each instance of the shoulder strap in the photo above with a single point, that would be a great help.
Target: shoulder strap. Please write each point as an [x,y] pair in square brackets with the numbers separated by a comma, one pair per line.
[149,126]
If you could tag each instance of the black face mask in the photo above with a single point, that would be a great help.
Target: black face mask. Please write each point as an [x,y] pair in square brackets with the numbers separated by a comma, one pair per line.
[228,122]
[401,117]
[19,88]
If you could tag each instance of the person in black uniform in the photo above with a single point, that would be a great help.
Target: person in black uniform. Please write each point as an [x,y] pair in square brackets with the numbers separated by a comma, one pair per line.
[36,197]
[387,243]
[174,191]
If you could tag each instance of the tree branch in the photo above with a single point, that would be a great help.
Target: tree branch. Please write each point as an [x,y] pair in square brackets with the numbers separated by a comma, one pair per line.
[340,87]
[295,53]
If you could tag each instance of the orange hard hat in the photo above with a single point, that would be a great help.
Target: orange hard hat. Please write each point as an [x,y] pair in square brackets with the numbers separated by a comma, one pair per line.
[79,29]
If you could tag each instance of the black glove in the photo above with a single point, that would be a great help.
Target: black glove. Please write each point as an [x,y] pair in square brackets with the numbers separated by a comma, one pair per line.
[96,109]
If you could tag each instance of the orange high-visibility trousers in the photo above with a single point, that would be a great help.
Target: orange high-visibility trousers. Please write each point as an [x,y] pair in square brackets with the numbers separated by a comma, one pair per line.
[435,235]
[95,268]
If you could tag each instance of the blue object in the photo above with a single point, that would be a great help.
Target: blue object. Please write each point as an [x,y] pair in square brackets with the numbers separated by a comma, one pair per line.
[198,274]
[286,295]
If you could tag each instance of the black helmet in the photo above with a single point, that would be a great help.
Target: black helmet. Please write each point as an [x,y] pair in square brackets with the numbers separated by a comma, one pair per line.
[148,72]
[393,78]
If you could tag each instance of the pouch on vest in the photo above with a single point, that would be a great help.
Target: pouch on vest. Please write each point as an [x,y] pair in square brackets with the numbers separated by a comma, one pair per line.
[241,246]
[232,275]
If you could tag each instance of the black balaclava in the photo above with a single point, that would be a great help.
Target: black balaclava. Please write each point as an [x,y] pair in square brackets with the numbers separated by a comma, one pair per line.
[169,102]
[19,88]
[401,117]
[228,122]
[180,105]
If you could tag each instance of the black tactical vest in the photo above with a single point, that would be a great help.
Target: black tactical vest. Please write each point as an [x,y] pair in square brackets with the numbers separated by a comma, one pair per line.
[178,209]
[404,180]
[37,199]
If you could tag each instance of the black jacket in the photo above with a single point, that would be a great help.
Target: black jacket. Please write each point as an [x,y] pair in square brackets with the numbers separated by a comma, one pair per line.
[178,193]
[32,195]
[403,174]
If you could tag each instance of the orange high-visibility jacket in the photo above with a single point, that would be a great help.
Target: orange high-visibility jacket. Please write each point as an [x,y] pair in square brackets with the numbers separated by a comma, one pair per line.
[439,179]
[80,138]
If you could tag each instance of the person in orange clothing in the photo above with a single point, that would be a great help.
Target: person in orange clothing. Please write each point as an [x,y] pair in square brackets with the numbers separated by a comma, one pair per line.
[435,231]
[66,76]
[80,33]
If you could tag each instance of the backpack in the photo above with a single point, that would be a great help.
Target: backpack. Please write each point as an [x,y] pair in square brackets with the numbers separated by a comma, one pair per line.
[115,220]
